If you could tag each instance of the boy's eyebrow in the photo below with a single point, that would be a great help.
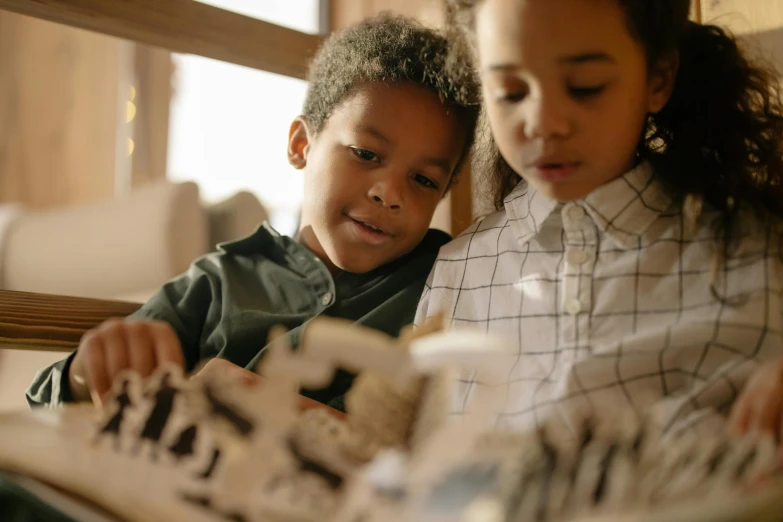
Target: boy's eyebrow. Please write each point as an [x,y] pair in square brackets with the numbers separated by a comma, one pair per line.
[438,163]
[374,132]
[503,67]
[571,59]
[441,164]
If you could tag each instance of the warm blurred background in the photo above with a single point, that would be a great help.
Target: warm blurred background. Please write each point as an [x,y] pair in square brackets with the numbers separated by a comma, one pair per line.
[121,162]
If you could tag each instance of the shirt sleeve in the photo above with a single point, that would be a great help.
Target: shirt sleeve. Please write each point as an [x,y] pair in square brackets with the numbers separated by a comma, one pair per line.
[50,385]
[185,303]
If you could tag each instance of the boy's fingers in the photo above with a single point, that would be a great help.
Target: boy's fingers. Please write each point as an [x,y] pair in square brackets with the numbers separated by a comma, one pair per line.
[115,350]
[141,352]
[95,366]
[166,343]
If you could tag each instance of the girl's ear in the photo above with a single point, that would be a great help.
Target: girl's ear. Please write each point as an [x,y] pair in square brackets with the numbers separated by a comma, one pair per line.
[663,77]
[299,141]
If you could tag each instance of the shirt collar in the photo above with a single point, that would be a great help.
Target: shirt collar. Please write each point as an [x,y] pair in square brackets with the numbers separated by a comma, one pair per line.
[622,209]
[293,255]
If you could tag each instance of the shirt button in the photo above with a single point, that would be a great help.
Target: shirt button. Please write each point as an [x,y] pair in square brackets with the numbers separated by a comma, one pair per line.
[326,298]
[577,256]
[576,213]
[573,307]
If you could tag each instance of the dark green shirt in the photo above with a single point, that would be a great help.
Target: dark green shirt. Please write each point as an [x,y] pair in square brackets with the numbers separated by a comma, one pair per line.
[226,303]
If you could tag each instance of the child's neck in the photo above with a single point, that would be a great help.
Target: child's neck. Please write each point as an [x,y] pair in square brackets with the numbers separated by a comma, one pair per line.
[306,237]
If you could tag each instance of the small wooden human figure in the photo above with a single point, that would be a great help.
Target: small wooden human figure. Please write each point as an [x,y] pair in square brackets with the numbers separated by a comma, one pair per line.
[114,424]
[222,410]
[183,447]
[159,415]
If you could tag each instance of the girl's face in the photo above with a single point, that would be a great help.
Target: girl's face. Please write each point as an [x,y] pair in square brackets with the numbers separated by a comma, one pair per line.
[567,90]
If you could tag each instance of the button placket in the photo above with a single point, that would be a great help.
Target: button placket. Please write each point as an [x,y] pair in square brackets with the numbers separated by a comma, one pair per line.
[580,243]
[577,256]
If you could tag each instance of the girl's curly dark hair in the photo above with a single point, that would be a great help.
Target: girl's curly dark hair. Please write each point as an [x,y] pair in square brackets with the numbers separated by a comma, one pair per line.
[721,134]
[390,49]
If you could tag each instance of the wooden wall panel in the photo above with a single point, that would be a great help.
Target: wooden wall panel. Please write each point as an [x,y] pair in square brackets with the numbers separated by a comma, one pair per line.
[154,70]
[58,105]
[758,22]
[743,16]
[346,12]
[696,11]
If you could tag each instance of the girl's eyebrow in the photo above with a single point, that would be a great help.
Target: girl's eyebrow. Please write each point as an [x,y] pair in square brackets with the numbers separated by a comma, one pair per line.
[576,59]
[571,59]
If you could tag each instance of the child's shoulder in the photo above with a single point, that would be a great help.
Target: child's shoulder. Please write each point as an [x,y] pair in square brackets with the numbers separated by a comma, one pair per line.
[260,240]
[479,239]
[256,252]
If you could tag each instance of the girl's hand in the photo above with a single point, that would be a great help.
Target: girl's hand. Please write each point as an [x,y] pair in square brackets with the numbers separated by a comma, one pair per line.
[759,408]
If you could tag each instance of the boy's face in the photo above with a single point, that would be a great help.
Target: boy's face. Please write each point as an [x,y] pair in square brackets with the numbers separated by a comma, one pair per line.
[374,174]
[567,90]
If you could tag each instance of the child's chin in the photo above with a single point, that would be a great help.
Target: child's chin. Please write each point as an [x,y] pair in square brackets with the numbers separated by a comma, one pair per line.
[358,264]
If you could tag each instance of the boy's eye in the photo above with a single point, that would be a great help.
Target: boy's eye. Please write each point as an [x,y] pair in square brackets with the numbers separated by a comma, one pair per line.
[364,154]
[424,181]
[511,97]
[583,93]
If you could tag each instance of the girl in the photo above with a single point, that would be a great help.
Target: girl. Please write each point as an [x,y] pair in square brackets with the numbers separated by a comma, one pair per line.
[636,264]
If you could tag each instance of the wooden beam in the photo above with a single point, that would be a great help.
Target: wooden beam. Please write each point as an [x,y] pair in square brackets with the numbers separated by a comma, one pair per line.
[696,11]
[184,26]
[52,322]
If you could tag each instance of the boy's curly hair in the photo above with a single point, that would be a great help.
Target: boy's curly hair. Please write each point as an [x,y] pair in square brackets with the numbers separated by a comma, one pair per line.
[390,49]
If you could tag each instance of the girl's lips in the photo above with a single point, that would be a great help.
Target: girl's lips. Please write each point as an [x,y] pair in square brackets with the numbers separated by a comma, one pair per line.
[556,171]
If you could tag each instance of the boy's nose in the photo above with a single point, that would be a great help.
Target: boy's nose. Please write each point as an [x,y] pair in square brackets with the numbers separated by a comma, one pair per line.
[387,192]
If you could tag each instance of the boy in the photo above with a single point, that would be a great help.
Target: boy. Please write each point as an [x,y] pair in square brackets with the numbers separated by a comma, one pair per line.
[385,128]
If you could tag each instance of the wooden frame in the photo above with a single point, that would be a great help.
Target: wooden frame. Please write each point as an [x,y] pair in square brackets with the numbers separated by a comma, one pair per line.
[184,26]
[42,322]
[56,323]
[46,322]
[696,15]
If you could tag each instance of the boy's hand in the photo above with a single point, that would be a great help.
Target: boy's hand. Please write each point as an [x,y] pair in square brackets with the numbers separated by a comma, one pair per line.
[249,378]
[759,408]
[116,345]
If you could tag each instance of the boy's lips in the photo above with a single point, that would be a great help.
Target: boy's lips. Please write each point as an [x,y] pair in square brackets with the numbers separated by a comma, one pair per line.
[368,231]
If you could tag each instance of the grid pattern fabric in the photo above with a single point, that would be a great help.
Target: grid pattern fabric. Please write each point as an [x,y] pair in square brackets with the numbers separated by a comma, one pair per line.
[611,303]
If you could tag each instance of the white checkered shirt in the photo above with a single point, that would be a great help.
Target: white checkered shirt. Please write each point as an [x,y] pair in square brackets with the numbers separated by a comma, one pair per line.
[607,302]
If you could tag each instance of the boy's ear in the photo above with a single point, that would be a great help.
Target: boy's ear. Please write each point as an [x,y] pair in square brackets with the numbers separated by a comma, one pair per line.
[663,77]
[299,139]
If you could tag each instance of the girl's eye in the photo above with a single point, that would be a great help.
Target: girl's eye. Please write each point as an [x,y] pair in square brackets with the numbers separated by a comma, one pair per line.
[424,181]
[364,154]
[584,93]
